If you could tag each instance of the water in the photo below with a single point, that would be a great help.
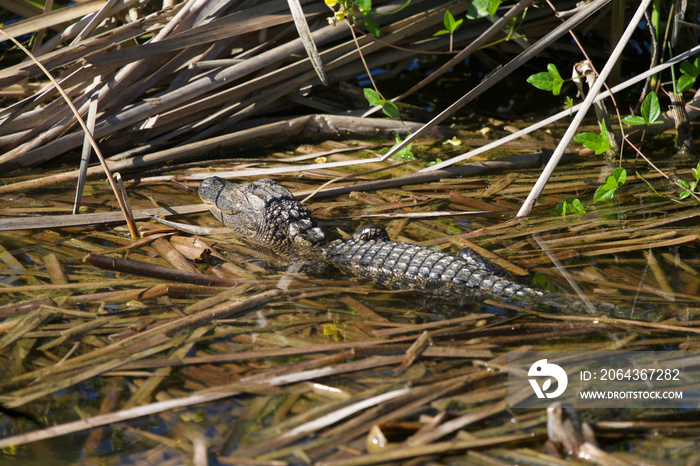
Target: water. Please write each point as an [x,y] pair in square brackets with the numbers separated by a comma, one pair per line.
[328,342]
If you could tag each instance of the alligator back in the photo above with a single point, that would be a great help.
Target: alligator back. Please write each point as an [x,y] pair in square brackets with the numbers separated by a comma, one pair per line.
[407,266]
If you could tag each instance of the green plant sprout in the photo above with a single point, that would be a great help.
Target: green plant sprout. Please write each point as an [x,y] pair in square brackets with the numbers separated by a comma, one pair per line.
[480,8]
[405,153]
[549,80]
[614,181]
[650,110]
[451,25]
[572,205]
[606,192]
[388,107]
[598,143]
[693,185]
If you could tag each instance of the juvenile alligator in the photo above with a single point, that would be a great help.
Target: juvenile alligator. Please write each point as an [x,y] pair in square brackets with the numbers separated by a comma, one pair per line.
[268,216]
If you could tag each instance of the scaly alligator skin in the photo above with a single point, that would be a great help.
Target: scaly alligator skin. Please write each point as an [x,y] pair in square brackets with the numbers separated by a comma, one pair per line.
[409,267]
[268,216]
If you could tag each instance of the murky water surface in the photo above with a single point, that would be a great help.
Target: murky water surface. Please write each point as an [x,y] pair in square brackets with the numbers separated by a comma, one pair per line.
[265,362]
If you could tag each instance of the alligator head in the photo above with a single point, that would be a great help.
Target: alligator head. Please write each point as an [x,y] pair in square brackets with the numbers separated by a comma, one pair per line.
[263,213]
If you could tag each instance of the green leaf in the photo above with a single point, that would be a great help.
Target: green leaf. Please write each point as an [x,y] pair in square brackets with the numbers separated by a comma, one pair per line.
[590,140]
[404,153]
[390,109]
[493,7]
[651,108]
[692,186]
[633,120]
[556,78]
[603,193]
[364,4]
[478,9]
[572,205]
[372,26]
[552,69]
[373,97]
[547,81]
[619,175]
[690,69]
[542,81]
[556,87]
[650,112]
[594,142]
[450,24]
[448,20]
[598,143]
[685,82]
[616,179]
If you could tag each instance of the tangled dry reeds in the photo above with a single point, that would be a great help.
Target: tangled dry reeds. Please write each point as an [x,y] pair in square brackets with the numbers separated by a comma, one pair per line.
[184,74]
[302,368]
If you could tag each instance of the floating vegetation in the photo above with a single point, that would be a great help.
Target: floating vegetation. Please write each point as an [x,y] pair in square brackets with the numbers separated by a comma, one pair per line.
[195,348]
[248,361]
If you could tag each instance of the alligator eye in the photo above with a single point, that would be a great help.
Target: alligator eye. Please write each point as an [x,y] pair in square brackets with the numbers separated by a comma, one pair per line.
[253,202]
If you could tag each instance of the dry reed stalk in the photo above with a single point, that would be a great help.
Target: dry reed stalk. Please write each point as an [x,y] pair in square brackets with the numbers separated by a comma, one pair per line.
[203,396]
[121,198]
[137,351]
[55,20]
[201,31]
[145,391]
[62,221]
[303,430]
[67,286]
[141,345]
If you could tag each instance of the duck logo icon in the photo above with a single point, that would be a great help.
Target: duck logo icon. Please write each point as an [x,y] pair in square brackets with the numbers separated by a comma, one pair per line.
[542,368]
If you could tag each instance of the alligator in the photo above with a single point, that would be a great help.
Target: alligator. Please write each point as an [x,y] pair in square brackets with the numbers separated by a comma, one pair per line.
[267,216]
